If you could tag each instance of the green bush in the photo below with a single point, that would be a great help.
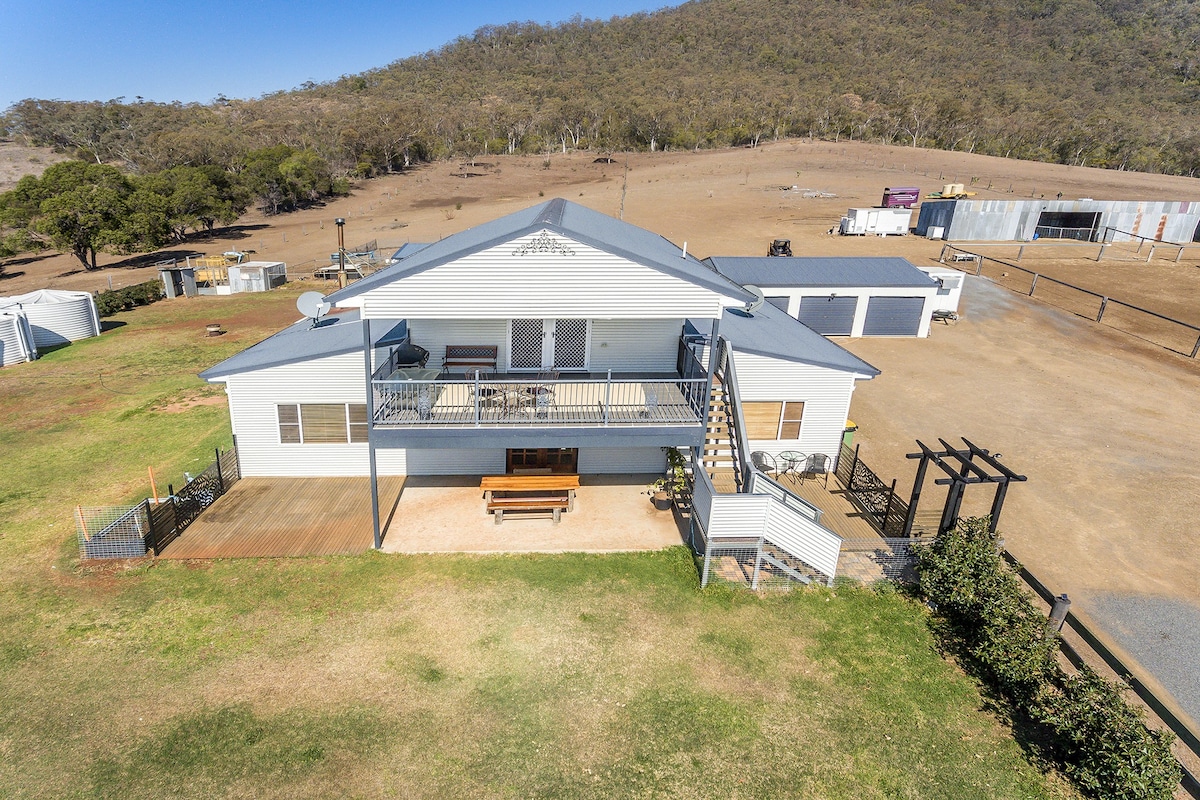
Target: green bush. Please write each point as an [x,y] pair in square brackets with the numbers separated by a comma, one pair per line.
[1101,742]
[140,294]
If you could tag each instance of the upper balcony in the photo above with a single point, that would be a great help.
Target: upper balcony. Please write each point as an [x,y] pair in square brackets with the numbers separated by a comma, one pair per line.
[430,398]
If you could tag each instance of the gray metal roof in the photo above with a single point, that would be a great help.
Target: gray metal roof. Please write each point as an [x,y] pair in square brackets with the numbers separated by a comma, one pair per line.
[333,335]
[568,219]
[845,271]
[407,249]
[772,333]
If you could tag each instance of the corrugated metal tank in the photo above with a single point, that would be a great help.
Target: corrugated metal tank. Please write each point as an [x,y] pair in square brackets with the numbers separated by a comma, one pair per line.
[56,317]
[16,340]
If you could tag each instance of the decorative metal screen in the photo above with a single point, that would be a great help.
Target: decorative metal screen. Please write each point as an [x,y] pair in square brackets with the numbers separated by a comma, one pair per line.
[526,344]
[570,344]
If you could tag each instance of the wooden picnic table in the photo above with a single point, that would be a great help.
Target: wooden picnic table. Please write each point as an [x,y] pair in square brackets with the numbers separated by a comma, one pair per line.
[535,485]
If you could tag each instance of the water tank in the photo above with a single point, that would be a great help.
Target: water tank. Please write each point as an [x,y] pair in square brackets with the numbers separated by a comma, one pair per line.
[55,316]
[16,340]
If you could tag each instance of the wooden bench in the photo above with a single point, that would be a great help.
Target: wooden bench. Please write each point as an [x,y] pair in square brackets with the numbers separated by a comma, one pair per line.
[465,357]
[553,505]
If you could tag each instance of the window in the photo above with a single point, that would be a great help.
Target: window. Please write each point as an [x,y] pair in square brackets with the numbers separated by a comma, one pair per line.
[773,420]
[322,423]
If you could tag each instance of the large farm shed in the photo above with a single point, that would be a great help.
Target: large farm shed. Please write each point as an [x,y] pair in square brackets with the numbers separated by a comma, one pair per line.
[856,296]
[1084,220]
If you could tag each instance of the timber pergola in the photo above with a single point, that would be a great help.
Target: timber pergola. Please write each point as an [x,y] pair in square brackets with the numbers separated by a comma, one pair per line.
[963,471]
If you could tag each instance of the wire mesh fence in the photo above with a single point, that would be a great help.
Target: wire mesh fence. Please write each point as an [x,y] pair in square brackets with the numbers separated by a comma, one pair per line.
[148,527]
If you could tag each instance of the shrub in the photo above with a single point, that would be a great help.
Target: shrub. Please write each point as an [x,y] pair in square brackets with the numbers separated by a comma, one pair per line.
[140,294]
[1101,742]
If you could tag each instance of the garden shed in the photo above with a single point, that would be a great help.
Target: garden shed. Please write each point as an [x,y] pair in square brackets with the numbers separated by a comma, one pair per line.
[56,317]
[16,340]
[841,296]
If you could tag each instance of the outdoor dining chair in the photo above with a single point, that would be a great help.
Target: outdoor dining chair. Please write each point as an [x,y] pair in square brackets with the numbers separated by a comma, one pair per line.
[764,462]
[817,464]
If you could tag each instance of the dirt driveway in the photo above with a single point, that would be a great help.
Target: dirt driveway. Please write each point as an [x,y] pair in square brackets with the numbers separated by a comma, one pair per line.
[1104,426]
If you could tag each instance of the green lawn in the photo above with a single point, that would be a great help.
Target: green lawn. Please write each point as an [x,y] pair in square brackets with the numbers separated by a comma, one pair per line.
[388,676]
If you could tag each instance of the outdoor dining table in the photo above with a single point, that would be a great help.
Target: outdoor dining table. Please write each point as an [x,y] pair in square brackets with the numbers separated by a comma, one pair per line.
[792,460]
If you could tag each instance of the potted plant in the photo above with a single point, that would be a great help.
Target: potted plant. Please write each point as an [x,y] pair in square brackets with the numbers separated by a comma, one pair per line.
[664,490]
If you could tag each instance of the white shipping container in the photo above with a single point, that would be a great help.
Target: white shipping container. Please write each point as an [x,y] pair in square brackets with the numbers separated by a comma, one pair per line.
[879,221]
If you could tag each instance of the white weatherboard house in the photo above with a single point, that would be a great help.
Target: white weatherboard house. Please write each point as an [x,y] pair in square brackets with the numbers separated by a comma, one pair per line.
[558,339]
[843,296]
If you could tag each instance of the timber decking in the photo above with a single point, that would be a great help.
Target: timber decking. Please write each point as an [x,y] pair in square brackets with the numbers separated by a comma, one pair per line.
[840,515]
[272,517]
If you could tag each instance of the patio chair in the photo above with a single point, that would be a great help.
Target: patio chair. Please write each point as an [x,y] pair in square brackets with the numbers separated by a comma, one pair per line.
[817,464]
[764,462]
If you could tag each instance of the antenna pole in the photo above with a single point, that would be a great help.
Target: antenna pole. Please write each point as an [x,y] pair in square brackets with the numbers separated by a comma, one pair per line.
[341,224]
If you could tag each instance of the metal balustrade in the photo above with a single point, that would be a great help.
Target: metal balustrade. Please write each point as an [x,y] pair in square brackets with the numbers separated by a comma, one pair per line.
[515,400]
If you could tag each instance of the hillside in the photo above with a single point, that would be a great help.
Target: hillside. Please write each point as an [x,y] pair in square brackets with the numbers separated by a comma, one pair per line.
[1109,83]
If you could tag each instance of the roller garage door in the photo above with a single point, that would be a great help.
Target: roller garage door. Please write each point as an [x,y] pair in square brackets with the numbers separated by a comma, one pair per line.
[893,316]
[831,316]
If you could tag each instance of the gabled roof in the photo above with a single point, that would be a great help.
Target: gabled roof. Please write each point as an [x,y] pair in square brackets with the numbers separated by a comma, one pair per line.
[843,271]
[302,341]
[771,333]
[566,219]
[407,249]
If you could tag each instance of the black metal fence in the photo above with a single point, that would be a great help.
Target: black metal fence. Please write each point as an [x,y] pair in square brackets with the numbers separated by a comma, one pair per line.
[871,494]
[1166,332]
[148,527]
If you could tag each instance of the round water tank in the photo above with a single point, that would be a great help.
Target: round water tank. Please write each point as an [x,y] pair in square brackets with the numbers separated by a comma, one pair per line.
[16,340]
[55,316]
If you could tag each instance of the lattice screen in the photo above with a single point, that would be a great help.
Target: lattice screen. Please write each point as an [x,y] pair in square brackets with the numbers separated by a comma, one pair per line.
[570,344]
[526,343]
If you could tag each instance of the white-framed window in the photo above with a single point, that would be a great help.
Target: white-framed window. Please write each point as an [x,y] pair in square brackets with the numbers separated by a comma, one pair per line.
[322,423]
[775,419]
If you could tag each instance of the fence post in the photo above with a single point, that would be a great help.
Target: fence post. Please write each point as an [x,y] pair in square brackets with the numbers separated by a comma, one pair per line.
[942,257]
[1020,252]
[1033,285]
[979,267]
[1196,348]
[1100,255]
[853,468]
[220,477]
[1179,255]
[1103,305]
[1151,255]
[887,511]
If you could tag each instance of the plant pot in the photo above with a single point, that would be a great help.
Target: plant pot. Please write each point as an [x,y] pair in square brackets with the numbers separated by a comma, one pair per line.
[662,501]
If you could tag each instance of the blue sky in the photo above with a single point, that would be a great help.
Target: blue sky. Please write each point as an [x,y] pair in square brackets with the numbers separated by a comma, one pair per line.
[194,51]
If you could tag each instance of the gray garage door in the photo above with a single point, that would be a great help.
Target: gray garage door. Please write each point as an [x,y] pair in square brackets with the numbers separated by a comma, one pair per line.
[893,316]
[832,316]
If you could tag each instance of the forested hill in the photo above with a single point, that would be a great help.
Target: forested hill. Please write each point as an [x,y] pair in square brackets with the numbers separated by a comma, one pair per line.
[1110,83]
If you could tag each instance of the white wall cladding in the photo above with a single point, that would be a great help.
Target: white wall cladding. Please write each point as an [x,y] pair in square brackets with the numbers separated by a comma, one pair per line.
[252,400]
[455,462]
[635,345]
[588,283]
[825,393]
[616,460]
[435,334]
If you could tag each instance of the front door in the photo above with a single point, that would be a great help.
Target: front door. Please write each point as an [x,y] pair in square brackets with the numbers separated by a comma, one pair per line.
[531,460]
[548,344]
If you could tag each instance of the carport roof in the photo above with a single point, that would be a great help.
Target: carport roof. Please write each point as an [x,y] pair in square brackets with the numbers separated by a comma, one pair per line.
[825,271]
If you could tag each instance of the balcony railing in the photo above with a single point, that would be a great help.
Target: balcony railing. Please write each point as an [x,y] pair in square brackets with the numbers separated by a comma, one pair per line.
[519,400]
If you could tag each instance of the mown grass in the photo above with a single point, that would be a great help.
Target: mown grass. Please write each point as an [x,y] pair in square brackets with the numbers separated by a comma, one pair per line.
[392,676]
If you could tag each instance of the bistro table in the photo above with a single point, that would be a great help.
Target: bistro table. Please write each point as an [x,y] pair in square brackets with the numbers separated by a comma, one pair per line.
[791,460]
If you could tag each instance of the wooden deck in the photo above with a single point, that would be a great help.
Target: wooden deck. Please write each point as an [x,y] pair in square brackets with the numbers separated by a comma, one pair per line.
[275,517]
[840,514]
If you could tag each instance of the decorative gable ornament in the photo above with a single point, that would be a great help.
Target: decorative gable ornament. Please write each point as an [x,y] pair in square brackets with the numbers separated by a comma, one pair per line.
[544,243]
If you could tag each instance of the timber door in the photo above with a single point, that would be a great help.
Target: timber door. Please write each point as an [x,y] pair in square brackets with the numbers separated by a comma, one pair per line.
[532,460]
[549,344]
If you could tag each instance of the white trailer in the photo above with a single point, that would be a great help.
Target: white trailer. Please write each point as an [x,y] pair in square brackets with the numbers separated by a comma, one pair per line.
[879,221]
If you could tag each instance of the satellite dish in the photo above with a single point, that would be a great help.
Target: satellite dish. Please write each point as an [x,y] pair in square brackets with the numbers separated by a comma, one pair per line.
[756,303]
[312,305]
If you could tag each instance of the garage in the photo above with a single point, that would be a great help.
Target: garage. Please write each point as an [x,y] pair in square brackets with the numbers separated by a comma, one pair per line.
[831,316]
[893,316]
